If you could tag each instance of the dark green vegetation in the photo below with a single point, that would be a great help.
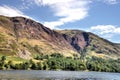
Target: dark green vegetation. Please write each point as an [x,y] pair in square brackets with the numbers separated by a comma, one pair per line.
[59,62]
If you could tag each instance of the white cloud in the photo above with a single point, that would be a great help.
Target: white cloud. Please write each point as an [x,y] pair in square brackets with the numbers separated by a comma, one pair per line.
[105,31]
[11,11]
[53,24]
[67,10]
[26,4]
[110,1]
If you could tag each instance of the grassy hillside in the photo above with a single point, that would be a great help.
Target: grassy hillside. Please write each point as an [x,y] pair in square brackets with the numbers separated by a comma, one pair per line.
[25,38]
[96,46]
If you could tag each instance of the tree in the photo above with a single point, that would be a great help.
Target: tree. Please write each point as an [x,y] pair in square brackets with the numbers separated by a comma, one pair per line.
[3,58]
[83,54]
[45,66]
[34,66]
[40,66]
[57,55]
[25,65]
[2,62]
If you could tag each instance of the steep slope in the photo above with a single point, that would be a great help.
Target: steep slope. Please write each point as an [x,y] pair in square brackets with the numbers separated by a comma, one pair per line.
[102,46]
[91,44]
[78,39]
[26,38]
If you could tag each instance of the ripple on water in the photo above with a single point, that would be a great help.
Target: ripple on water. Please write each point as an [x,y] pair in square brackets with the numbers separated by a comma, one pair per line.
[57,75]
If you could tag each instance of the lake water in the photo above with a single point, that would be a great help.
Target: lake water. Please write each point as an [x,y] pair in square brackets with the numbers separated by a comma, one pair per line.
[56,75]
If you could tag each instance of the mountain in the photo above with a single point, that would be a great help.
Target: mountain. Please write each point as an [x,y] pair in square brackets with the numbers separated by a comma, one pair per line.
[25,38]
[93,44]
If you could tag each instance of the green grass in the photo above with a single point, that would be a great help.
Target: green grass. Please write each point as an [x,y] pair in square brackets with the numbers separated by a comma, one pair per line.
[10,58]
[5,21]
[2,38]
[7,52]
[13,58]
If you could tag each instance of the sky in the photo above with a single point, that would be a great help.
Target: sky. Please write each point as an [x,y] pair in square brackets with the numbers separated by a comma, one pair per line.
[101,17]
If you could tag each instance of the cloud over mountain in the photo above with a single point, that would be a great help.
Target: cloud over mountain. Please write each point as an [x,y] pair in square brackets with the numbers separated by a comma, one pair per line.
[106,31]
[66,10]
[11,11]
[103,29]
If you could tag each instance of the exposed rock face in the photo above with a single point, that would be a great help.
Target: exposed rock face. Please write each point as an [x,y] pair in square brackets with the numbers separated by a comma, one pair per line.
[25,37]
[24,54]
[79,39]
[92,43]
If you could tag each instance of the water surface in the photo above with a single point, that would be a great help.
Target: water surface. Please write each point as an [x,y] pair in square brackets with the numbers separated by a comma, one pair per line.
[56,75]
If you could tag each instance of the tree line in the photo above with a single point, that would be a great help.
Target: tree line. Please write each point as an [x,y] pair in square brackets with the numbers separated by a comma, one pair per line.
[59,62]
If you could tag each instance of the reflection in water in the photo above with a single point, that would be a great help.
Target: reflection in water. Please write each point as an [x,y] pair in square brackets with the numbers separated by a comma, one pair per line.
[56,75]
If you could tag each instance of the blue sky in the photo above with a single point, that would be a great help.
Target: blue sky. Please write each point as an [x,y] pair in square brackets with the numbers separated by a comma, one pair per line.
[101,17]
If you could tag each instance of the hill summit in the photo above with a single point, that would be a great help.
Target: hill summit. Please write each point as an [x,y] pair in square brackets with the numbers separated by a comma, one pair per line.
[26,38]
